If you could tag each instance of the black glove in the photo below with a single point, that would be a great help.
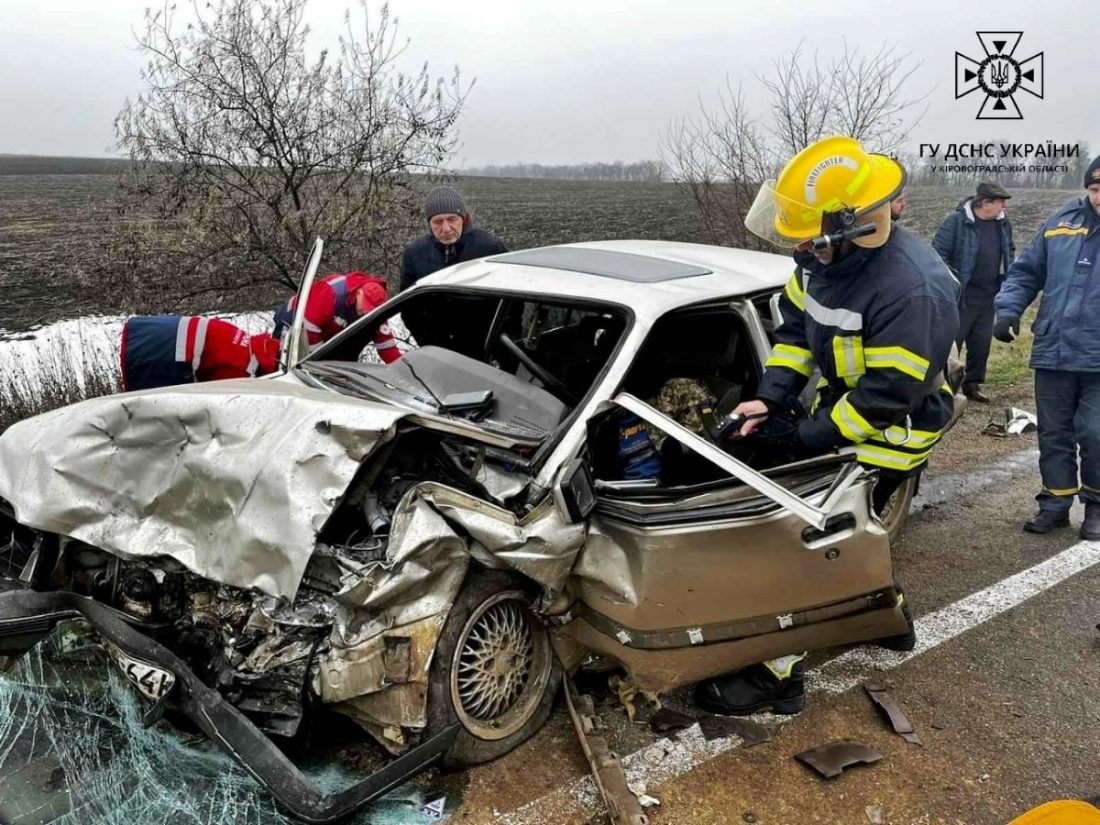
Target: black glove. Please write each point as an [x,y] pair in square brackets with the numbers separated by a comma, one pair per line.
[1006,328]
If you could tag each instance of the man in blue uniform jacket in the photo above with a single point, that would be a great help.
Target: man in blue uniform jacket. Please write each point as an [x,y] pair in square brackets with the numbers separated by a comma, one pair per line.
[1062,263]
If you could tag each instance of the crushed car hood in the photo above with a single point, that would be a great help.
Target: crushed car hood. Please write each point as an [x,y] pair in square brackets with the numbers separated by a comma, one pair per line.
[233,479]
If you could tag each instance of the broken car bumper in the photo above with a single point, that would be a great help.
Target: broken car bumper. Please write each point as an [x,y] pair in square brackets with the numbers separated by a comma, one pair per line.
[27,616]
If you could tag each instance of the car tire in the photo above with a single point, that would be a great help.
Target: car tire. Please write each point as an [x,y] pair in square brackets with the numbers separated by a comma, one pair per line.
[494,670]
[896,511]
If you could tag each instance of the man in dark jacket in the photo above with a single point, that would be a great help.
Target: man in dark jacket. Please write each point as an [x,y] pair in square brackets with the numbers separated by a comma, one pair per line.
[452,238]
[1062,263]
[872,307]
[976,242]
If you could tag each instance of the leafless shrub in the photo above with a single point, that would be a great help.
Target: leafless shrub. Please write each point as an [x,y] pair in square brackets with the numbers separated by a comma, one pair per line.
[719,158]
[65,371]
[243,148]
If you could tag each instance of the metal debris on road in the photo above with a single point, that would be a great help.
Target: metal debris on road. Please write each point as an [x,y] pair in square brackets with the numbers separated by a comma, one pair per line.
[831,760]
[751,733]
[1012,421]
[638,788]
[623,807]
[898,720]
[667,720]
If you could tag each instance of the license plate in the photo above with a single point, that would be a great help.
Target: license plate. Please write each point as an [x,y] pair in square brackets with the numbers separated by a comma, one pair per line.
[151,681]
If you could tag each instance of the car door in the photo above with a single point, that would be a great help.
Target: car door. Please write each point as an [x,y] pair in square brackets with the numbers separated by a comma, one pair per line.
[295,345]
[682,583]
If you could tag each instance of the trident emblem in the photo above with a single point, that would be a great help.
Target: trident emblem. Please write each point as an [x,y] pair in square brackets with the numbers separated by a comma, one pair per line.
[999,74]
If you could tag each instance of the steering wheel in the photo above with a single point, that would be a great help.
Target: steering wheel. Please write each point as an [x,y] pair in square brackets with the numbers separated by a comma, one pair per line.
[548,379]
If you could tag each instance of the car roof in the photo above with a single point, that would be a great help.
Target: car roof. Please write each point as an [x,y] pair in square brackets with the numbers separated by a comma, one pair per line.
[652,277]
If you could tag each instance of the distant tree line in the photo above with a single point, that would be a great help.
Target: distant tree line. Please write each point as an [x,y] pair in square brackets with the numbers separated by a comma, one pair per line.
[43,165]
[642,171]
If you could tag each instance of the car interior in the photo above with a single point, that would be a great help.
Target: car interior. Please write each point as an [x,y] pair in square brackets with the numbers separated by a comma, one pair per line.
[709,346]
[513,364]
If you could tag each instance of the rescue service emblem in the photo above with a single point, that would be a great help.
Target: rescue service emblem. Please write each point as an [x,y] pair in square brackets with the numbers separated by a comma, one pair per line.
[999,75]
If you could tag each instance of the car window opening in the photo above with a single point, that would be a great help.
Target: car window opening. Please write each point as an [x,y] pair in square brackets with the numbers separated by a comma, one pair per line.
[513,365]
[695,366]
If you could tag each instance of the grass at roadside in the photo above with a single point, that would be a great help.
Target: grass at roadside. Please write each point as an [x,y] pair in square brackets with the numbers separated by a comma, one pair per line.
[64,373]
[1008,363]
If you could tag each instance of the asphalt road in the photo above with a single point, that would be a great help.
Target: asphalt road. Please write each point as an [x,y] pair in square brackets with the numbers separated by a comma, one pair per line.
[1004,688]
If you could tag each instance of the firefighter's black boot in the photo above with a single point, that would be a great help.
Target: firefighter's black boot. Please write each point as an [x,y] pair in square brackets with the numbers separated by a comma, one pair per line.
[753,689]
[1090,527]
[1045,521]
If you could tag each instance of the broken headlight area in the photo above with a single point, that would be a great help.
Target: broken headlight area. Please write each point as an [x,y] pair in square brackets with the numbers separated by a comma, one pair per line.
[360,634]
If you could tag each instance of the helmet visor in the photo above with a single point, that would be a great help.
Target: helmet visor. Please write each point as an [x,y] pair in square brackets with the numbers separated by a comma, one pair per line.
[781,221]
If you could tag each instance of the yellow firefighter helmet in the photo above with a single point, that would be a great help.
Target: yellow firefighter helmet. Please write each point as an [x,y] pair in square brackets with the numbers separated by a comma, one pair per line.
[831,175]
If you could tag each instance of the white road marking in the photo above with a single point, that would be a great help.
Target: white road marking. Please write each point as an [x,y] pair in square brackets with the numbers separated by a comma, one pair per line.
[671,757]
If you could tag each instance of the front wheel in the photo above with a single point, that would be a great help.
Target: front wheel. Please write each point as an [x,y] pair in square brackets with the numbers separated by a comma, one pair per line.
[494,670]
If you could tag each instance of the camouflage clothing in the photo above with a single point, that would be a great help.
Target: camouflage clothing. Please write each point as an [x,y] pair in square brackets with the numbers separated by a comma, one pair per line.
[681,400]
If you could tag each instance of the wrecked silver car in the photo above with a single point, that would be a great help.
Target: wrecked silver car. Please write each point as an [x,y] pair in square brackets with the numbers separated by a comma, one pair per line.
[427,546]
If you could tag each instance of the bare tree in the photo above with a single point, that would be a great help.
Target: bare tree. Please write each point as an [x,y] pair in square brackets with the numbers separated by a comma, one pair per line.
[871,102]
[244,148]
[721,156]
[801,100]
[718,158]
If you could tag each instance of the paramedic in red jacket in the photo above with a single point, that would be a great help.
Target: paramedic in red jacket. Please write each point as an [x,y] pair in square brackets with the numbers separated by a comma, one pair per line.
[165,350]
[336,301]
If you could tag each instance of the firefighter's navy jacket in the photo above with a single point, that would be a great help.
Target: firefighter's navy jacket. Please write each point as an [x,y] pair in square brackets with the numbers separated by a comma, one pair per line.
[1062,262]
[879,324]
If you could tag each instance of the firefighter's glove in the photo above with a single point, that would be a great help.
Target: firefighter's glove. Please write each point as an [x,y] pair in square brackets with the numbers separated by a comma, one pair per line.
[816,436]
[1006,328]
[780,428]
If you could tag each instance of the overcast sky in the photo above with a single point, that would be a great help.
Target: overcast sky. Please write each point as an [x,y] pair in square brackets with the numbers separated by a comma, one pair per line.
[563,81]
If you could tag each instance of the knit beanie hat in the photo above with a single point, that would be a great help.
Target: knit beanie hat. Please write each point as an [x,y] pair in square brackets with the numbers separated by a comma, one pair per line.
[443,200]
[1092,174]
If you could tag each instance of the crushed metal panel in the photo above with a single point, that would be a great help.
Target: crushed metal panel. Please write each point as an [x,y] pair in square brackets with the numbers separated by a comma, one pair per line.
[898,720]
[831,760]
[399,656]
[233,479]
[436,531]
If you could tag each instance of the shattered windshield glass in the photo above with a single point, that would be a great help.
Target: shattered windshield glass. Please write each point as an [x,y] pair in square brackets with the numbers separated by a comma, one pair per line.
[73,751]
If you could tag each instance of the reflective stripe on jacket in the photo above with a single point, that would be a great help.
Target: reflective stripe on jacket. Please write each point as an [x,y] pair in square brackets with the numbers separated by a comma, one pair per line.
[879,325]
[331,307]
[1061,262]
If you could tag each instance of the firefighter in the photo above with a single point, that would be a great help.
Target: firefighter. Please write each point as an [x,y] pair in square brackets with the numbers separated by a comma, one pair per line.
[165,350]
[873,308]
[334,302]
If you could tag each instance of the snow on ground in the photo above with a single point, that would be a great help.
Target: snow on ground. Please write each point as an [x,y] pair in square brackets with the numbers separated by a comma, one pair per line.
[82,345]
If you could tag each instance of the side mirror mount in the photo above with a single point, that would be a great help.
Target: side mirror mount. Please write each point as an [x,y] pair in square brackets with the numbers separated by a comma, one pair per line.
[575,491]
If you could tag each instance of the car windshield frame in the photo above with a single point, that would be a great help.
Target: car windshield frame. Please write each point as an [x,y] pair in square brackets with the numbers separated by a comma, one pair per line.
[545,446]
